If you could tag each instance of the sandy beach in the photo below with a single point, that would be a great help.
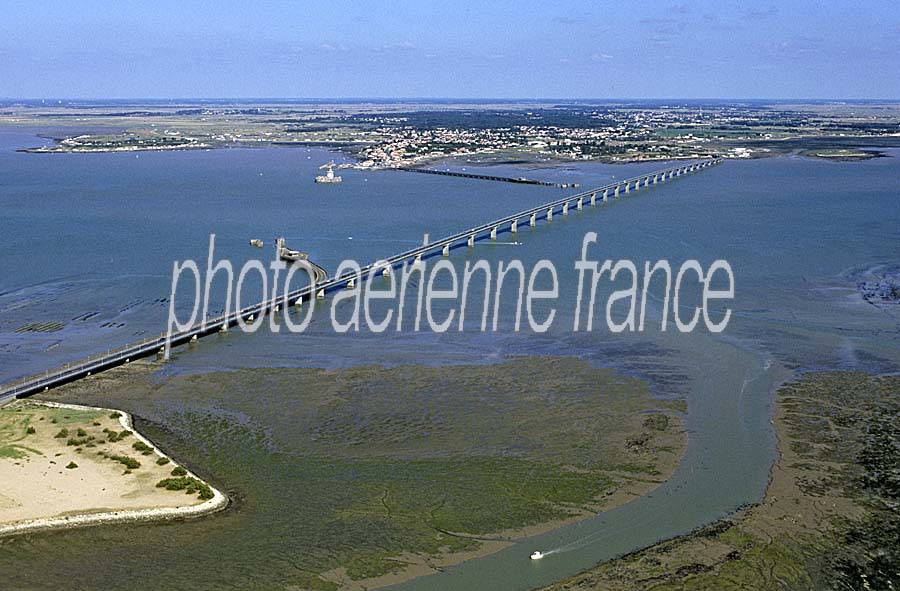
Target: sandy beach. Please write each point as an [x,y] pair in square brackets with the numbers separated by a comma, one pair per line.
[60,466]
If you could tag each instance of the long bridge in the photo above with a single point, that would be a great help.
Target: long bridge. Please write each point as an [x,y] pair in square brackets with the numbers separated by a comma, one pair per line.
[153,346]
[485,177]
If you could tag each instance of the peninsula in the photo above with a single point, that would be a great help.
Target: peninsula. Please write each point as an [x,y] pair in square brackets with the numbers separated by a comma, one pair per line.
[64,465]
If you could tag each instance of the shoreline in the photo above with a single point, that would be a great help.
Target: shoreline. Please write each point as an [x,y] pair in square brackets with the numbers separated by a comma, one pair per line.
[526,160]
[806,518]
[418,565]
[622,398]
[218,502]
[421,566]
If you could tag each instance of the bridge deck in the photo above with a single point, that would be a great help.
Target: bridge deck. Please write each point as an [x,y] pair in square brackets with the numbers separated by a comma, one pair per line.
[148,347]
[484,177]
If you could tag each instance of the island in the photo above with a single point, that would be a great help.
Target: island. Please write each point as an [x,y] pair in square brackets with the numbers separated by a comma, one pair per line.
[377,135]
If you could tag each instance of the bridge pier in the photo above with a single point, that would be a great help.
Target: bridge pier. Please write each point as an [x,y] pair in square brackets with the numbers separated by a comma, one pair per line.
[318,290]
[514,227]
[616,192]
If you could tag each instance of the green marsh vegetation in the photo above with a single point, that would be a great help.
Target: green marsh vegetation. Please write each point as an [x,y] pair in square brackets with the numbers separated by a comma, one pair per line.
[829,520]
[357,470]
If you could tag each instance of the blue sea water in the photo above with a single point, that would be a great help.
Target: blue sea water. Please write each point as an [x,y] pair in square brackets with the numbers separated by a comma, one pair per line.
[89,240]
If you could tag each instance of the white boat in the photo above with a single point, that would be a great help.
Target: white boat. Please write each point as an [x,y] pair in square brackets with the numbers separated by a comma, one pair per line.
[537,555]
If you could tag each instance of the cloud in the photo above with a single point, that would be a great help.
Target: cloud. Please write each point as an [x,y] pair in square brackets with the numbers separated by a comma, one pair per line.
[663,29]
[572,19]
[679,9]
[601,57]
[402,46]
[657,20]
[800,45]
[758,14]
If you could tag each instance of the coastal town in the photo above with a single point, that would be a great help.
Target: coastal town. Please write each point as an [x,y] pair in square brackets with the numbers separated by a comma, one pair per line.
[378,136]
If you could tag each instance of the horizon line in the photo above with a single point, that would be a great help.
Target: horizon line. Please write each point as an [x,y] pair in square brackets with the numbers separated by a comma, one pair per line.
[444,99]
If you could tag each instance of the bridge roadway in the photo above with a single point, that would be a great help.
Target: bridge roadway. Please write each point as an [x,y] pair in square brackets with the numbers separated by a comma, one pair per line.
[483,177]
[146,348]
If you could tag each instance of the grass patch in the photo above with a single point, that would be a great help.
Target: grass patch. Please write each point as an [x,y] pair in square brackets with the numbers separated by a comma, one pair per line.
[142,447]
[127,461]
[187,484]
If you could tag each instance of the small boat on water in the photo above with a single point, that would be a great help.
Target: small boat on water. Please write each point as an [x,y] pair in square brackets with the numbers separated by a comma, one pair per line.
[256,242]
[537,555]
